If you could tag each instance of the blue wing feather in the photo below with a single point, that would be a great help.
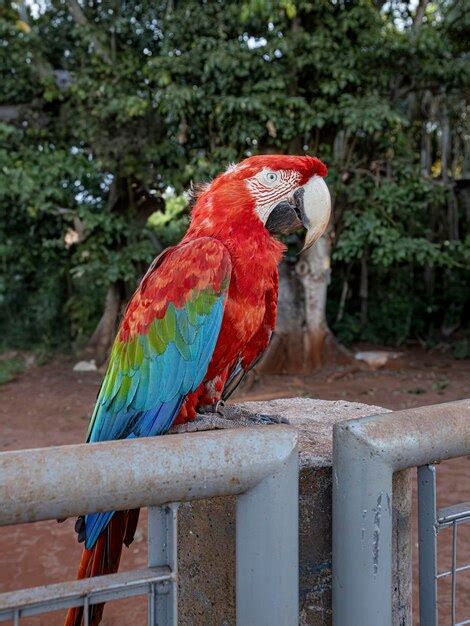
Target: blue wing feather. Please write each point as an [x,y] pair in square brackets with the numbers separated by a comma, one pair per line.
[157,389]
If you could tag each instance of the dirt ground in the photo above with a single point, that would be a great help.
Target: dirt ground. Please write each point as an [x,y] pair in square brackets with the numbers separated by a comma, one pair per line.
[51,404]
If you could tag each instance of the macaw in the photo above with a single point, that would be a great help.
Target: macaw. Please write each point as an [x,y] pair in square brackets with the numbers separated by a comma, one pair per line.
[201,316]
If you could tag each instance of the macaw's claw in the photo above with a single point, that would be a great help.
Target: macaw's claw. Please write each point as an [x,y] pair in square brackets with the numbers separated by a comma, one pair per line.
[218,408]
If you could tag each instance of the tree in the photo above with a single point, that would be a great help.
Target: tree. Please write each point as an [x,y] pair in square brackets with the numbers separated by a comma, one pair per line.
[122,104]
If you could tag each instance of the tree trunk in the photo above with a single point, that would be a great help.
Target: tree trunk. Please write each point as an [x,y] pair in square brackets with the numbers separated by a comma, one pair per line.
[314,272]
[303,341]
[420,13]
[102,339]
[286,350]
[364,289]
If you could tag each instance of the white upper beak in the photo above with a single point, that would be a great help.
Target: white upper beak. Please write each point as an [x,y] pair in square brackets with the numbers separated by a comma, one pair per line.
[317,209]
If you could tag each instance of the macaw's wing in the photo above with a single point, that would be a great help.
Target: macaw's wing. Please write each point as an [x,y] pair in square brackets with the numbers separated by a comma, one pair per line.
[165,342]
[163,347]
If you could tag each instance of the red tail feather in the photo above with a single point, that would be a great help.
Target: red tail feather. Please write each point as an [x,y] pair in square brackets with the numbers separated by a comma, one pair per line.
[103,559]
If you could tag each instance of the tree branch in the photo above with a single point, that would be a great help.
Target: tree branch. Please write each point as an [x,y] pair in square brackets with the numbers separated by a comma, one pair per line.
[420,13]
[80,19]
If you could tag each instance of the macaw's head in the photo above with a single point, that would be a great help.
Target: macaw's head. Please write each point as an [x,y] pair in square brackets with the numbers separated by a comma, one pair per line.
[279,193]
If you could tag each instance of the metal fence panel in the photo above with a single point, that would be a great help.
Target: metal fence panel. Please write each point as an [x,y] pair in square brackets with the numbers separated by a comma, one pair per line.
[431,521]
[259,465]
[366,453]
[35,600]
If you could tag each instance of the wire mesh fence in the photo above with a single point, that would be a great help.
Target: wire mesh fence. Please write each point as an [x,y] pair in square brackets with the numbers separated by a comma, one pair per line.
[431,521]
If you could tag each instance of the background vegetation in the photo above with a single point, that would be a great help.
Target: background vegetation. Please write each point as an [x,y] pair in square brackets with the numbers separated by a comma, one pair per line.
[110,108]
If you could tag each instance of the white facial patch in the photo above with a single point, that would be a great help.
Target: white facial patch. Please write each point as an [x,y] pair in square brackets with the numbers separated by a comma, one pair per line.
[269,187]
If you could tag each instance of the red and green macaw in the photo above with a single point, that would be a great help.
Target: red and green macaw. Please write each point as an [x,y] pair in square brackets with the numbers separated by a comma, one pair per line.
[200,318]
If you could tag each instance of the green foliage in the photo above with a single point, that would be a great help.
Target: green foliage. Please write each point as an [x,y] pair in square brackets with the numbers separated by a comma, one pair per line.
[114,108]
[390,220]
[171,223]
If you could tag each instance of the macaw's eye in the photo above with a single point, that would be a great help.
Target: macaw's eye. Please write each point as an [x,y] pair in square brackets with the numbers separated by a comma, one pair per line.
[270,177]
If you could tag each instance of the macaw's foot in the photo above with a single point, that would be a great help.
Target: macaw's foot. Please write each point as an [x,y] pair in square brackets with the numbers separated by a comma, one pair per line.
[247,418]
[221,416]
[206,421]
[260,418]
[241,416]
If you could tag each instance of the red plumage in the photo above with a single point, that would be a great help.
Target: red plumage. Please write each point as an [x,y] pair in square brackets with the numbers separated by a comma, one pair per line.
[226,211]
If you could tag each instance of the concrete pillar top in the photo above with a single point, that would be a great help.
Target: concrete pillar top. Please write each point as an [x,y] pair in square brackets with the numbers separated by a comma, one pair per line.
[314,420]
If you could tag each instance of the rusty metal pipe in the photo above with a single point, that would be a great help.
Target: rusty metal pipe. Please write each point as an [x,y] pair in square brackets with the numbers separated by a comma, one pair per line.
[65,481]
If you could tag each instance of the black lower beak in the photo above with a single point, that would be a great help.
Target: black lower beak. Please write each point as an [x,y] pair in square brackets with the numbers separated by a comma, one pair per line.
[288,215]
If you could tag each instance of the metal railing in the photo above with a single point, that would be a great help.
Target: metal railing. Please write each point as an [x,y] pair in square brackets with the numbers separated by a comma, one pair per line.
[258,465]
[366,453]
[430,521]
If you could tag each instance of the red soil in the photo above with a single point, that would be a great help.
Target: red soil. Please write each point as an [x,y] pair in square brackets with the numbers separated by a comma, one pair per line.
[50,405]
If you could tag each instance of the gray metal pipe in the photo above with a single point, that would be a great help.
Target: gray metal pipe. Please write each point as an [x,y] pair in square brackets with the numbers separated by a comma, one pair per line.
[416,436]
[427,545]
[366,453]
[163,550]
[362,537]
[267,556]
[48,483]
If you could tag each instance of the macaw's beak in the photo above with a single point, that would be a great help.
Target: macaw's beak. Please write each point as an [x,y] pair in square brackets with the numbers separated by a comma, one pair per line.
[316,209]
[309,206]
